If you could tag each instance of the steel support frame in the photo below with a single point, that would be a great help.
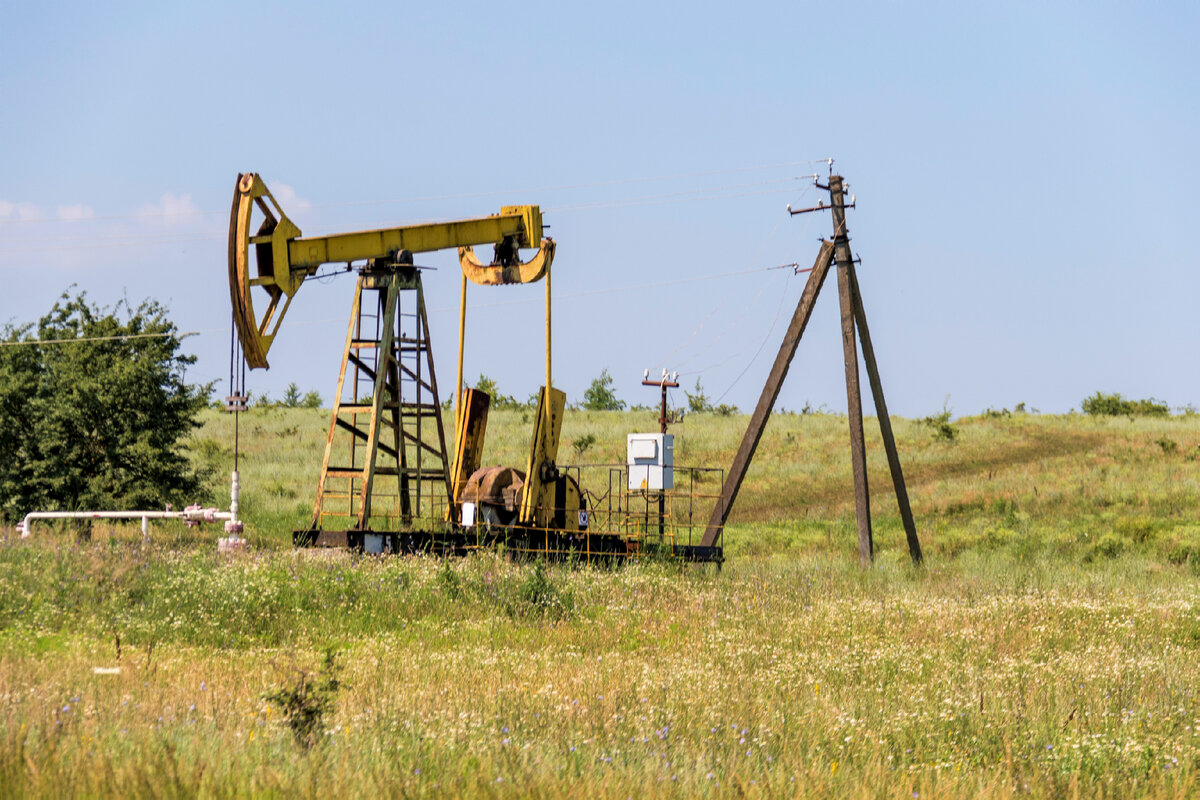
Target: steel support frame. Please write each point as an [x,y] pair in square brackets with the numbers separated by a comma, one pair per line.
[387,409]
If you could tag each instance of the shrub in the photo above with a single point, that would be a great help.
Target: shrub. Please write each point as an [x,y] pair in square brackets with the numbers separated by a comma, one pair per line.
[1110,545]
[539,597]
[582,444]
[305,704]
[600,396]
[940,425]
[291,396]
[1114,405]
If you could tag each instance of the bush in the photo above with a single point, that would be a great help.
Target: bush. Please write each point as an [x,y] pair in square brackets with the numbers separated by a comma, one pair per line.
[1110,545]
[583,443]
[940,424]
[1114,405]
[305,704]
[538,597]
[291,396]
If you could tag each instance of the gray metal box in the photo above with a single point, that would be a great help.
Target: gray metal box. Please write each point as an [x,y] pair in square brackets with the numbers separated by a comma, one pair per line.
[651,460]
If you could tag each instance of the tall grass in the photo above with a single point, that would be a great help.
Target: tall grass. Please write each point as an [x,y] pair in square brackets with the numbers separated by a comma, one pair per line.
[1048,647]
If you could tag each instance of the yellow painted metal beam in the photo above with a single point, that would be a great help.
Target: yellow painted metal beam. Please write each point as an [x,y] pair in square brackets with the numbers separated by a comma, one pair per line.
[521,223]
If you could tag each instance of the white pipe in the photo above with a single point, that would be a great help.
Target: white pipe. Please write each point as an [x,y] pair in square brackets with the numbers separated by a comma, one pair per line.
[191,515]
[234,525]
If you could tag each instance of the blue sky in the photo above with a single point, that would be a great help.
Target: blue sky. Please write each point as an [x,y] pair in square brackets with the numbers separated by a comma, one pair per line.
[1025,174]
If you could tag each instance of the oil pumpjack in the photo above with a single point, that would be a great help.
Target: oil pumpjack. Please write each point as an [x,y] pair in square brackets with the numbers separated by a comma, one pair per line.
[387,483]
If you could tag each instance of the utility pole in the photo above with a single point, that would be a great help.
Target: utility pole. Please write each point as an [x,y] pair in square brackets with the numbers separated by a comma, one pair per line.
[854,319]
[844,261]
[668,381]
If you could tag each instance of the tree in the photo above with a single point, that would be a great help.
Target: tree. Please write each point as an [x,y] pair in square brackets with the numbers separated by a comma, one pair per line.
[499,401]
[291,396]
[698,403]
[600,396]
[293,399]
[93,408]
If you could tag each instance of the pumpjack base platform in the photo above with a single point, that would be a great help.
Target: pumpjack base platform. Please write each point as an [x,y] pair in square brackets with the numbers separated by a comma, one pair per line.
[519,542]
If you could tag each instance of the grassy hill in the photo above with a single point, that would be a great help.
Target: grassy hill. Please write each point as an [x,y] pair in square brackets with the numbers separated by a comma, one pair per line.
[1047,648]
[1018,481]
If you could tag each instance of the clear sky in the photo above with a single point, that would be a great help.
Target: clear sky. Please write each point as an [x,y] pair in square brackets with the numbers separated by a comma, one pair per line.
[1026,178]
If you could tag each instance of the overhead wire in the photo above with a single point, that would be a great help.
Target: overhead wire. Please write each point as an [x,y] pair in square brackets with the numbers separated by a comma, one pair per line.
[118,338]
[615,289]
[699,193]
[724,301]
[766,337]
[43,244]
[761,345]
[430,198]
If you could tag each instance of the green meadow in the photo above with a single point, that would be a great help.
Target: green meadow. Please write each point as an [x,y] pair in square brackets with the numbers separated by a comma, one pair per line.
[1048,646]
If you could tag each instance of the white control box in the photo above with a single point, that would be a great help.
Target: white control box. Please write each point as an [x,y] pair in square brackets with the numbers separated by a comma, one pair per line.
[651,460]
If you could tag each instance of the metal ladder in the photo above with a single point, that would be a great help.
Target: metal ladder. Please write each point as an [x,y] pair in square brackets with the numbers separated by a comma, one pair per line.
[389,423]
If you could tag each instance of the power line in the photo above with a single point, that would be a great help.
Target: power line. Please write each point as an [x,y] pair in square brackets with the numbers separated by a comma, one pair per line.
[431,198]
[104,338]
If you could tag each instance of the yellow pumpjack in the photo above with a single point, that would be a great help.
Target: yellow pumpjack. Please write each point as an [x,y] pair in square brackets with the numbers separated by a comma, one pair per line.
[393,367]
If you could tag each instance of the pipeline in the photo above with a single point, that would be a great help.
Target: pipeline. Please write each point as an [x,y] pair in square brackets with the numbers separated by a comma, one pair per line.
[192,515]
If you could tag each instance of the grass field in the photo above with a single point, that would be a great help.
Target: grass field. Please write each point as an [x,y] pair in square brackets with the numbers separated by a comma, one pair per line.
[1048,647]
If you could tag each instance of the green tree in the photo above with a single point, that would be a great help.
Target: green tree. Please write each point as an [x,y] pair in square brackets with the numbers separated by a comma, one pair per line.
[600,395]
[698,403]
[311,399]
[291,396]
[93,408]
[499,401]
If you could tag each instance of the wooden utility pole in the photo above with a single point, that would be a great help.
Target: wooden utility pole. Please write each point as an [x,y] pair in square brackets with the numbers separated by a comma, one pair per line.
[844,260]
[854,319]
